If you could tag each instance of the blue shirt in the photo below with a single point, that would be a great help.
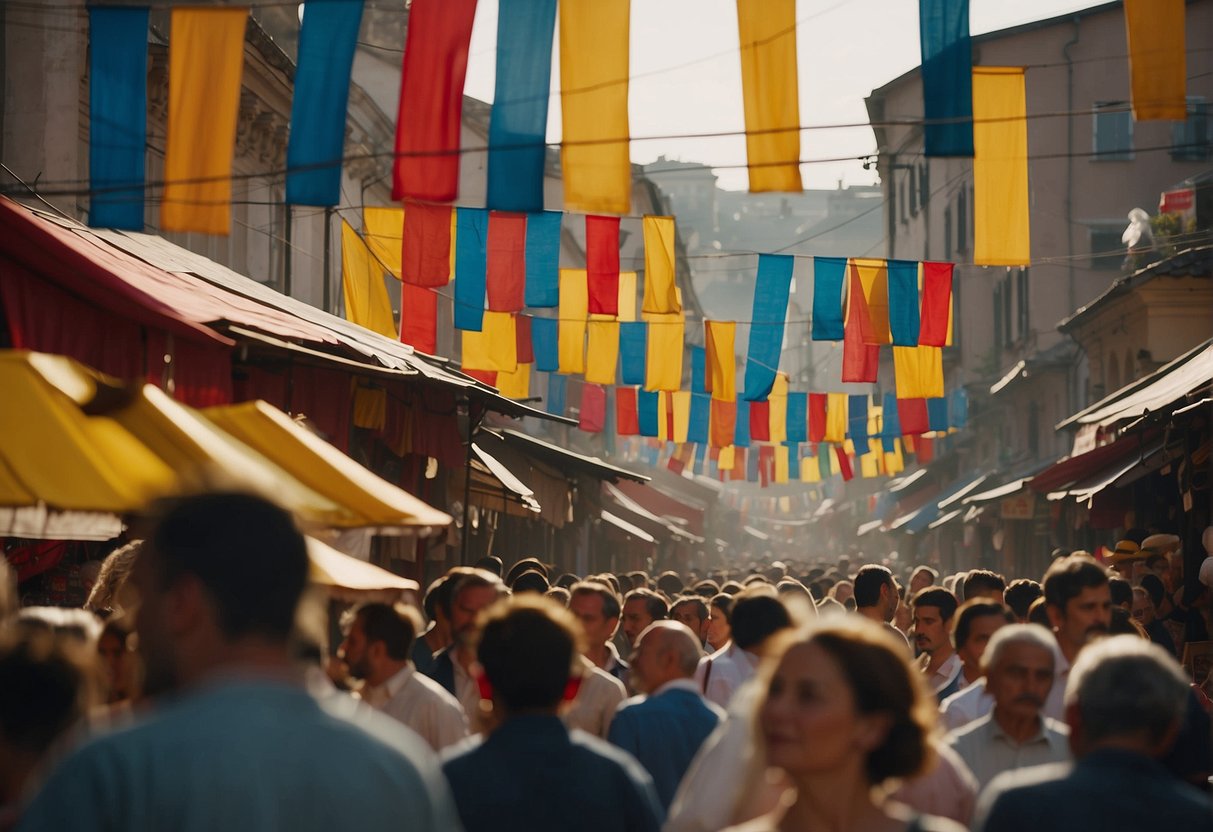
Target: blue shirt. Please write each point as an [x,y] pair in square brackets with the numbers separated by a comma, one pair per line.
[531,774]
[247,755]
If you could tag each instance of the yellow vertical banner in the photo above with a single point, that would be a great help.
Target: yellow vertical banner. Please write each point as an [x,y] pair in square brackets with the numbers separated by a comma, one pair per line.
[1157,65]
[627,296]
[574,310]
[495,347]
[918,372]
[661,297]
[663,353]
[810,469]
[836,418]
[727,458]
[777,408]
[682,415]
[384,231]
[515,385]
[869,467]
[597,169]
[874,279]
[781,463]
[721,359]
[366,300]
[602,352]
[206,58]
[770,93]
[1000,167]
[663,416]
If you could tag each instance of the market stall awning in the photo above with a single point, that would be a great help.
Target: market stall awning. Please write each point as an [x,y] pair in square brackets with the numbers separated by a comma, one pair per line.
[565,459]
[335,569]
[324,468]
[1114,474]
[492,470]
[654,522]
[1074,469]
[922,517]
[870,526]
[944,519]
[627,528]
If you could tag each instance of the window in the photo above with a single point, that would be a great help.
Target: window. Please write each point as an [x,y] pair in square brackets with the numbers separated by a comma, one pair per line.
[962,224]
[1021,303]
[947,232]
[1113,131]
[924,184]
[913,191]
[1190,140]
[1107,251]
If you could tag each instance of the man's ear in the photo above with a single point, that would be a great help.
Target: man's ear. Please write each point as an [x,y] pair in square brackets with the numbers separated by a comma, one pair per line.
[188,605]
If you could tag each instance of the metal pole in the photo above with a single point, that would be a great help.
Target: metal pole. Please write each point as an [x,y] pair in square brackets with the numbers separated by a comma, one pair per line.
[328,245]
[467,490]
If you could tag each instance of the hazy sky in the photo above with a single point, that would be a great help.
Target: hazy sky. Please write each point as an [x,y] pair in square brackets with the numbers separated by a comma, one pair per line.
[686,75]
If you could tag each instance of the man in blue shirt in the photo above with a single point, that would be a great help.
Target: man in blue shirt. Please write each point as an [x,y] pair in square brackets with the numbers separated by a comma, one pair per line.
[235,742]
[531,773]
[665,729]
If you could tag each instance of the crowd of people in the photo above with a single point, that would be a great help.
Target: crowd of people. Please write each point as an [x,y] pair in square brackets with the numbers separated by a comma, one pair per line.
[777,695]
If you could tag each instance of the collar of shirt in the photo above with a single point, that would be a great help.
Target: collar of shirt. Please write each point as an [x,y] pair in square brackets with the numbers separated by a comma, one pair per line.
[946,672]
[1042,735]
[398,680]
[744,658]
[677,684]
[613,659]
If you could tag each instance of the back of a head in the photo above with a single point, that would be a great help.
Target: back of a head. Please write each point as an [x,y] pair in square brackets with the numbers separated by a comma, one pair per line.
[938,597]
[490,563]
[982,582]
[670,583]
[970,611]
[244,550]
[1121,592]
[868,581]
[1020,594]
[529,647]
[46,686]
[393,624]
[757,615]
[521,566]
[1067,577]
[1152,584]
[1127,688]
[530,581]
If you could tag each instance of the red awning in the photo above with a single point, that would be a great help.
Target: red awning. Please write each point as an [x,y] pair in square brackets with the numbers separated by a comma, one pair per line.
[1076,468]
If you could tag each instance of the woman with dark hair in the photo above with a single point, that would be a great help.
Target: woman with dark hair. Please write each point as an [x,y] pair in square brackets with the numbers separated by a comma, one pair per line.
[844,712]
[720,629]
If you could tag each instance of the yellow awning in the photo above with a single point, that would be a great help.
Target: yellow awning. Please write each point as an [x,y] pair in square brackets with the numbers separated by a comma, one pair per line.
[332,568]
[323,467]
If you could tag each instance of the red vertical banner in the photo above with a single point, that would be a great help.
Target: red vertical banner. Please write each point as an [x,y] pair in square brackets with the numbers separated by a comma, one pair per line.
[524,346]
[505,277]
[627,420]
[844,463]
[419,318]
[924,449]
[488,377]
[912,415]
[860,360]
[667,398]
[760,421]
[593,408]
[739,464]
[936,304]
[425,253]
[431,100]
[817,416]
[723,423]
[766,464]
[602,263]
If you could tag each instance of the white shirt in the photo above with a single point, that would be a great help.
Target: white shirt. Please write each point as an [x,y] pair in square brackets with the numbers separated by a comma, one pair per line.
[988,751]
[597,699]
[944,674]
[966,705]
[423,705]
[731,667]
[467,691]
[1055,707]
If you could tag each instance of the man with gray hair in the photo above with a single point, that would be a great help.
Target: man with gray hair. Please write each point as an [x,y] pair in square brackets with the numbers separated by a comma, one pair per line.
[1018,665]
[665,729]
[1124,703]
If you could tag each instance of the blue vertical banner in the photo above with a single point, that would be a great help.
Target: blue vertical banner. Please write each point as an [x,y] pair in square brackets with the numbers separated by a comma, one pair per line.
[937,414]
[117,96]
[471,264]
[646,411]
[558,389]
[857,421]
[543,259]
[828,276]
[798,418]
[793,461]
[958,415]
[771,291]
[633,343]
[904,317]
[698,368]
[741,426]
[316,147]
[545,343]
[519,120]
[701,410]
[947,77]
[701,458]
[890,429]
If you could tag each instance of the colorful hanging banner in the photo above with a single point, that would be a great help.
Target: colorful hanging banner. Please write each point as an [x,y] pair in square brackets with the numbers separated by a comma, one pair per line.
[663,361]
[647,405]
[760,421]
[602,352]
[698,369]
[937,414]
[727,458]
[602,264]
[857,418]
[912,414]
[936,304]
[918,372]
[793,462]
[891,428]
[741,425]
[471,264]
[431,100]
[381,231]
[700,418]
[515,385]
[494,347]
[597,170]
[545,341]
[817,416]
[419,318]
[723,423]
[626,420]
[771,291]
[627,296]
[1000,168]
[366,300]
[525,348]
[781,464]
[844,464]
[519,120]
[681,401]
[660,294]
[904,311]
[798,417]
[506,272]
[947,70]
[558,387]
[328,35]
[860,360]
[665,416]
[874,280]
[836,418]
[778,410]
[770,93]
[574,312]
[206,58]
[721,359]
[1157,53]
[117,97]
[543,259]
[829,274]
[593,408]
[633,346]
[810,469]
[427,244]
